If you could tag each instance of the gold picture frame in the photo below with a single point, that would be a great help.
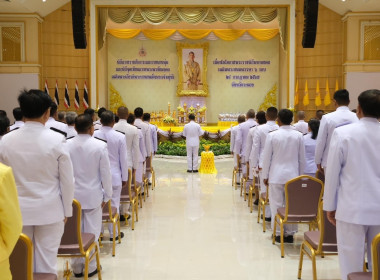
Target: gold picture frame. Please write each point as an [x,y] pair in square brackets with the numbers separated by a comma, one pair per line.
[192,74]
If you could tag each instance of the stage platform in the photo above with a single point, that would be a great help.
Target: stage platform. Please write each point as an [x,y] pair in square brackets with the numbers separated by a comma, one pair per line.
[211,129]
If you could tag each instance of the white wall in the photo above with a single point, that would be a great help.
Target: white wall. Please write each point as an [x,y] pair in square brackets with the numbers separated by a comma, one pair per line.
[357,82]
[11,85]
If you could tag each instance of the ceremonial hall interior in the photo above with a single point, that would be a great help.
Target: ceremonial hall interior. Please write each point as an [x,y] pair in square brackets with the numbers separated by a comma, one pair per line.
[249,55]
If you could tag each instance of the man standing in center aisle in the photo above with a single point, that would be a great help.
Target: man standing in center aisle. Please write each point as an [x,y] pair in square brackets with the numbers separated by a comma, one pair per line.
[93,182]
[117,152]
[241,140]
[283,159]
[192,131]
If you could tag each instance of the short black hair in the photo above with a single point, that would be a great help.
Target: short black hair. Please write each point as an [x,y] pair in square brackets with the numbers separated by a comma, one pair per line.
[34,103]
[100,111]
[314,127]
[131,119]
[241,118]
[83,123]
[260,116]
[53,108]
[122,112]
[146,117]
[139,112]
[369,101]
[342,97]
[3,113]
[251,114]
[272,113]
[4,124]
[107,118]
[17,114]
[285,116]
[89,111]
[70,118]
[192,117]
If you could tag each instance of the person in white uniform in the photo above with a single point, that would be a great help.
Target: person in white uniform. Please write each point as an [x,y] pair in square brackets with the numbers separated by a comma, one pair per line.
[44,178]
[283,159]
[53,124]
[256,156]
[192,131]
[142,152]
[70,121]
[93,182]
[310,140]
[117,152]
[153,134]
[4,126]
[352,192]
[17,114]
[342,116]
[241,138]
[234,129]
[301,125]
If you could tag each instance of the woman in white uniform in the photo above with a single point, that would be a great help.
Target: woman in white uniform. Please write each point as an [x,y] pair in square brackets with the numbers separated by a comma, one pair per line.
[310,141]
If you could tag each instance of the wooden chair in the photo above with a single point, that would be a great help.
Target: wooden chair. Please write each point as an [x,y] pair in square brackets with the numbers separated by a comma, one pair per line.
[252,189]
[236,170]
[263,201]
[110,215]
[319,243]
[149,168]
[77,244]
[21,262]
[129,197]
[375,274]
[243,183]
[302,197]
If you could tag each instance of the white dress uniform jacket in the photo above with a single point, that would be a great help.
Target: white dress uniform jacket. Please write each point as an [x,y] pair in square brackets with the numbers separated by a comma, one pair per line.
[92,172]
[192,131]
[17,124]
[55,125]
[117,152]
[153,133]
[241,138]
[310,166]
[259,138]
[353,174]
[233,137]
[302,126]
[146,133]
[329,122]
[71,132]
[43,173]
[284,155]
[132,139]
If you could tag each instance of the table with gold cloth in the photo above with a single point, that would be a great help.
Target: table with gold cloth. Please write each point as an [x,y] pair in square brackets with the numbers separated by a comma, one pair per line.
[207,163]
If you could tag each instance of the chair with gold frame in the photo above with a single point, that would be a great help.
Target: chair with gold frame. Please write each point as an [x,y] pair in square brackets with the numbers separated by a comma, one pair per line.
[263,201]
[137,189]
[77,244]
[243,182]
[110,215]
[149,168]
[319,243]
[236,170]
[302,197]
[253,187]
[375,274]
[21,262]
[129,197]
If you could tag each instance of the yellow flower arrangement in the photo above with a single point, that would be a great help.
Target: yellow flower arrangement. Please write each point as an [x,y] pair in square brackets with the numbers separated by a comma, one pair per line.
[202,109]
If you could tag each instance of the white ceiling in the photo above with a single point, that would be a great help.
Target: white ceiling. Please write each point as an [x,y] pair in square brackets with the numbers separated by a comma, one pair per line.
[45,8]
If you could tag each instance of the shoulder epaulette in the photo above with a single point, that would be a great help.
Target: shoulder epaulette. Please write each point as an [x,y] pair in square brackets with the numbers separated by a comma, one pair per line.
[70,137]
[304,134]
[253,126]
[105,141]
[14,129]
[120,131]
[96,129]
[343,124]
[59,131]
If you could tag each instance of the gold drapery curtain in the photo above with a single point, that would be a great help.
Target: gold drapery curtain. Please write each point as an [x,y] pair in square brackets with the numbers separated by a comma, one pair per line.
[224,34]
[192,15]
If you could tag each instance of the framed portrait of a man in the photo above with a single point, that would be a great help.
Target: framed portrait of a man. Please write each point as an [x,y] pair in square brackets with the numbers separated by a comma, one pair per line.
[192,70]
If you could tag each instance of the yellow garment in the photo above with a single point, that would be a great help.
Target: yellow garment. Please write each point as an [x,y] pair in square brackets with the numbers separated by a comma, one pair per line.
[10,219]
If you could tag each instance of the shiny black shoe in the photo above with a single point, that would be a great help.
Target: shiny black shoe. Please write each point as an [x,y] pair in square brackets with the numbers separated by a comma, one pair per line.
[122,218]
[256,202]
[189,171]
[266,219]
[78,275]
[195,171]
[278,239]
[93,273]
[289,239]
[117,237]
